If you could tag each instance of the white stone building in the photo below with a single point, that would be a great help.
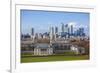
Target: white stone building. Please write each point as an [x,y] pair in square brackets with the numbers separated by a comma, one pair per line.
[43,49]
[77,50]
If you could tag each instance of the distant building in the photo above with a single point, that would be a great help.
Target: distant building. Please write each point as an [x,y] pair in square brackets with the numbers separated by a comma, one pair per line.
[52,30]
[71,29]
[46,35]
[40,35]
[32,34]
[80,32]
[32,31]
[61,47]
[66,28]
[77,50]
[52,36]
[56,30]
[25,36]
[36,36]
[62,27]
[43,49]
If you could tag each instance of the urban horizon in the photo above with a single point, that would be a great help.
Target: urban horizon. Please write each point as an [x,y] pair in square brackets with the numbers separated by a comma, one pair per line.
[54,36]
[42,23]
[67,29]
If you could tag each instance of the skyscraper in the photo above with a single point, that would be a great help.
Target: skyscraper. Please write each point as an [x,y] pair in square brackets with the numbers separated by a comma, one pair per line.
[66,28]
[52,29]
[32,34]
[62,27]
[81,32]
[32,31]
[56,30]
[51,34]
[68,32]
[71,29]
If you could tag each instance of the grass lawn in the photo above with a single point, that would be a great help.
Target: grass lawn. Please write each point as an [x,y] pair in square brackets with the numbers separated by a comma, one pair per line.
[53,58]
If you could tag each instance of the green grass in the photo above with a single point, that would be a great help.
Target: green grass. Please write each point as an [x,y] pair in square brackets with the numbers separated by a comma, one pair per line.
[26,54]
[53,58]
[31,54]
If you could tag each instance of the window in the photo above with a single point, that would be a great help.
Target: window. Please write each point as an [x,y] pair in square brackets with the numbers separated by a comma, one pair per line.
[43,49]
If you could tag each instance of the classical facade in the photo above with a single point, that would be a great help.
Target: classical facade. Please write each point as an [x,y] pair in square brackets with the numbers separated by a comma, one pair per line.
[77,50]
[43,49]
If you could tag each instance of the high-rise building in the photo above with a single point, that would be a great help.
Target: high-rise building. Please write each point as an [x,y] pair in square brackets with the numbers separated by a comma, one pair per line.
[68,32]
[56,30]
[32,31]
[81,32]
[51,34]
[36,35]
[71,29]
[32,34]
[66,28]
[62,27]
[52,30]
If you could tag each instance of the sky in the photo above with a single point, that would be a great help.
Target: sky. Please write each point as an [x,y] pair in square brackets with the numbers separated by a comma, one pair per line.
[41,21]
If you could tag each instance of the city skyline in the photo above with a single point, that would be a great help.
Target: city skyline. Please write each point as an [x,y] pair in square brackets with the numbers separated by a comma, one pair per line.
[41,21]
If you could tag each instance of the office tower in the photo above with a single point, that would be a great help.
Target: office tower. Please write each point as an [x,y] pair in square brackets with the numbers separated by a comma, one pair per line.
[52,30]
[71,29]
[36,35]
[32,31]
[66,28]
[56,30]
[62,27]
[56,33]
[40,36]
[68,32]
[81,32]
[51,35]
[78,33]
[32,34]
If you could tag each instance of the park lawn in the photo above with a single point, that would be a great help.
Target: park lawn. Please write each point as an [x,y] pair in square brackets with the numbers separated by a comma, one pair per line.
[53,58]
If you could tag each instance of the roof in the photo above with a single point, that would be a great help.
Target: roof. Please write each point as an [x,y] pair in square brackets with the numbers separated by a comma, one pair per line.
[42,46]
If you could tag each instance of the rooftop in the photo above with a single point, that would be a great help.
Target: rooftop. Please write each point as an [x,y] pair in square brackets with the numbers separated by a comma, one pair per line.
[42,45]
